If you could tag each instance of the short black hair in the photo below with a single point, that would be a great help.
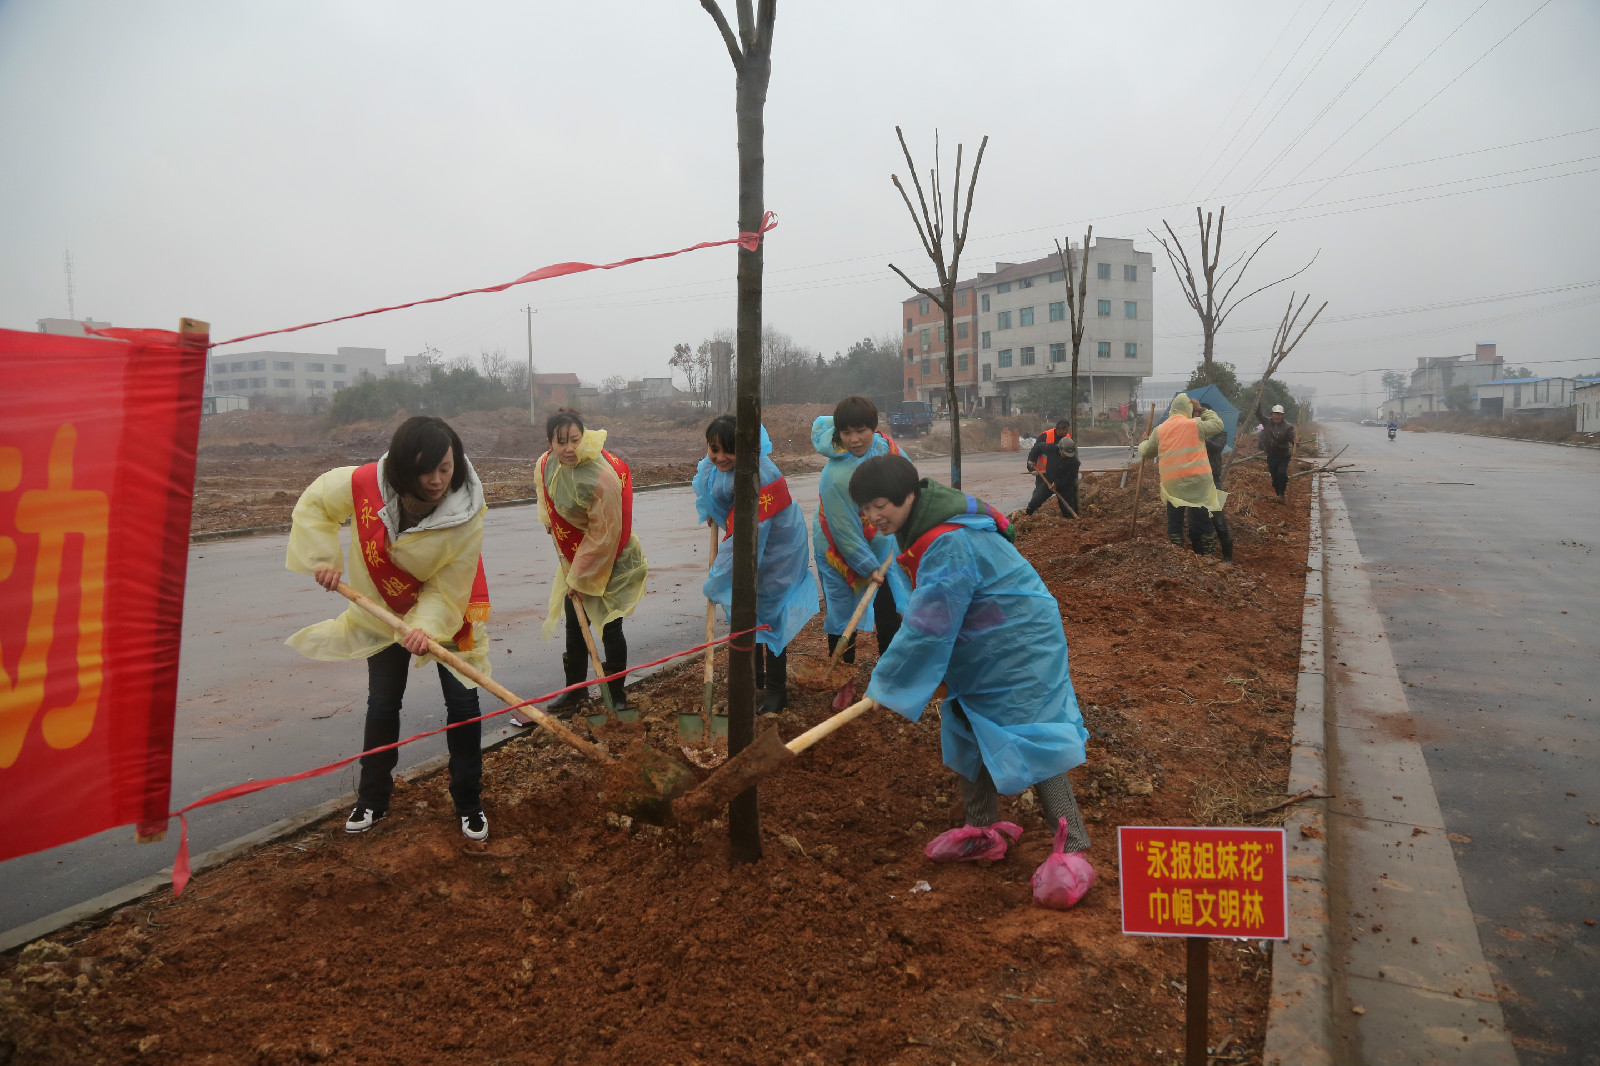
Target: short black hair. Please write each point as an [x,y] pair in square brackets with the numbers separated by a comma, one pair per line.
[891,477]
[722,430]
[561,416]
[417,447]
[1063,427]
[854,412]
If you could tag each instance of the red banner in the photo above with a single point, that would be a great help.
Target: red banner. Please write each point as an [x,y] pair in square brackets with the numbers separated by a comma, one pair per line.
[1186,881]
[97,453]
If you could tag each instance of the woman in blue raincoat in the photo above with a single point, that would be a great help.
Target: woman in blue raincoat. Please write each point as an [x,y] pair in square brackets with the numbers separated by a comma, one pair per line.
[847,549]
[981,622]
[786,593]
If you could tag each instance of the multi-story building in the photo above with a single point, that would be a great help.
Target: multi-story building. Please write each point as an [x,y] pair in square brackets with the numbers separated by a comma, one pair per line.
[1024,334]
[292,378]
[1436,375]
[925,348]
[70,327]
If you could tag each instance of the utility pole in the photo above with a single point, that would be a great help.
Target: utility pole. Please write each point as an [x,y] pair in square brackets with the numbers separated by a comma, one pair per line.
[532,419]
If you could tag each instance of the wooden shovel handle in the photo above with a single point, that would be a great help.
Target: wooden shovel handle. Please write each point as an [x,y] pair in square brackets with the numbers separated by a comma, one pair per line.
[874,582]
[823,728]
[711,608]
[478,677]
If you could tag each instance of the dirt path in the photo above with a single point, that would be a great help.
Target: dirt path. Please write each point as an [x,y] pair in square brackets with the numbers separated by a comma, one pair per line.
[573,937]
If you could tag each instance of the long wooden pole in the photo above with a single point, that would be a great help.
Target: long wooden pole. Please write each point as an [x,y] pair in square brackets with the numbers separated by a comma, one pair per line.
[1196,1013]
[1139,484]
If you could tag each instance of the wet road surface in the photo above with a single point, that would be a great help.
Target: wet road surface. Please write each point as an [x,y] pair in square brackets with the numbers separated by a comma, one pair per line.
[1482,554]
[249,707]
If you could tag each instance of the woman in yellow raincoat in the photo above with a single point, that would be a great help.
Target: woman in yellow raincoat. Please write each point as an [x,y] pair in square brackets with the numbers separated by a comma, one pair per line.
[1178,444]
[586,504]
[416,529]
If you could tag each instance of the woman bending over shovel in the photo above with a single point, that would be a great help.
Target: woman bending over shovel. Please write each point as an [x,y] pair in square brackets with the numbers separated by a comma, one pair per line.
[586,504]
[848,550]
[786,593]
[416,530]
[980,621]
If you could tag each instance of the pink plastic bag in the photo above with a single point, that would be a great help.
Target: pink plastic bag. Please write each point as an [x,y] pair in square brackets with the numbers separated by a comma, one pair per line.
[970,843]
[1063,878]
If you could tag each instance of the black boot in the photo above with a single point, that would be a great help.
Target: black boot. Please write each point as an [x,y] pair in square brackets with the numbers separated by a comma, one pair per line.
[619,698]
[777,687]
[577,668]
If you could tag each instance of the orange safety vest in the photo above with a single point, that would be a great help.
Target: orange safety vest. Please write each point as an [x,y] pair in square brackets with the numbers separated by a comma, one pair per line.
[772,499]
[568,536]
[1180,452]
[399,589]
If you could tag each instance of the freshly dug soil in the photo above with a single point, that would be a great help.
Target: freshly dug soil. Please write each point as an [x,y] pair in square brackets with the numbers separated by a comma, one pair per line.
[575,935]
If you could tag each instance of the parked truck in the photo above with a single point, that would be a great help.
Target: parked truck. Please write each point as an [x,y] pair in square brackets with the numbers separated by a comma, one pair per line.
[913,418]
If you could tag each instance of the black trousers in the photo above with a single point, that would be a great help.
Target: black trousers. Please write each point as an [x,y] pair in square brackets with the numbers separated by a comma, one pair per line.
[1199,523]
[1278,467]
[885,620]
[613,645]
[386,686]
[1042,495]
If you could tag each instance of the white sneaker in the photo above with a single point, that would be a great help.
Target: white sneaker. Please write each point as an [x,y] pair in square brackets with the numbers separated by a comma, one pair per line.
[362,818]
[475,826]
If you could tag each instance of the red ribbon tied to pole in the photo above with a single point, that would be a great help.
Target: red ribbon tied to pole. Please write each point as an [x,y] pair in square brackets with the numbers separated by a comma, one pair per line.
[745,240]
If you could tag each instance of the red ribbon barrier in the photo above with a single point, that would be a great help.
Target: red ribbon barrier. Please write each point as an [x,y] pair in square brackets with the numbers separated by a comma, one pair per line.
[748,241]
[180,863]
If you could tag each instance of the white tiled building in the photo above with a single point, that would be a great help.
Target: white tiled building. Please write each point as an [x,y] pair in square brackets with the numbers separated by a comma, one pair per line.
[292,378]
[1024,333]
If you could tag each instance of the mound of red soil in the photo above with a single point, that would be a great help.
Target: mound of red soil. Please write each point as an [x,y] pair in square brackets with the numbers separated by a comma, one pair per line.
[574,935]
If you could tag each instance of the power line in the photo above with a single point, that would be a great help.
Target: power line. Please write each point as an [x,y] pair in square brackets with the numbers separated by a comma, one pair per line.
[1244,89]
[1336,98]
[1268,92]
[1435,96]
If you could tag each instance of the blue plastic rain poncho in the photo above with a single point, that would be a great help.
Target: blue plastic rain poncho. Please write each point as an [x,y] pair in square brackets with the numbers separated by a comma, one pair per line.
[981,621]
[786,593]
[852,548]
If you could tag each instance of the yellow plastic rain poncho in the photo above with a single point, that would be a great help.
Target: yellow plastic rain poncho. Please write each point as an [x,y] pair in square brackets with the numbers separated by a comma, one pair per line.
[441,551]
[1185,469]
[589,495]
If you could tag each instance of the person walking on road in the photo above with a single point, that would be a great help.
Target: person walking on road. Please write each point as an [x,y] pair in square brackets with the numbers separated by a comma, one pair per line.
[586,504]
[786,593]
[416,529]
[1186,484]
[848,550]
[1053,460]
[1278,440]
[981,622]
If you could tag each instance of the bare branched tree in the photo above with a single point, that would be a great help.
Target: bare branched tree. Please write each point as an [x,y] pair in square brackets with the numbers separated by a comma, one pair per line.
[931,228]
[1076,302]
[1282,345]
[751,52]
[1211,295]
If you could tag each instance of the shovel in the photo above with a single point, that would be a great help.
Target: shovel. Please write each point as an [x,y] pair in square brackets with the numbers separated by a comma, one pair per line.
[1049,485]
[598,720]
[815,676]
[705,726]
[643,788]
[767,754]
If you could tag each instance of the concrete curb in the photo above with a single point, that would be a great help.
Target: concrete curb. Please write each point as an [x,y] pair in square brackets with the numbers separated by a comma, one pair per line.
[1300,1007]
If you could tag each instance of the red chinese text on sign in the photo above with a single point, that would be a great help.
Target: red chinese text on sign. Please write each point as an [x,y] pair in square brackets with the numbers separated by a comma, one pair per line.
[1187,881]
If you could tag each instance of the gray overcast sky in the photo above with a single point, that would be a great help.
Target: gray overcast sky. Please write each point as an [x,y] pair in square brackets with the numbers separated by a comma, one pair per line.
[260,165]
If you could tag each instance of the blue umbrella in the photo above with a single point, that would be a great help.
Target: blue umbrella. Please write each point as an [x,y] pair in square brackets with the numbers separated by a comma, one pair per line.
[1219,403]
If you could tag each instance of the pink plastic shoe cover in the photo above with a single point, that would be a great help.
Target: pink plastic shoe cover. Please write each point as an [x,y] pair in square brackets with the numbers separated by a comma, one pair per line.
[1062,879]
[970,843]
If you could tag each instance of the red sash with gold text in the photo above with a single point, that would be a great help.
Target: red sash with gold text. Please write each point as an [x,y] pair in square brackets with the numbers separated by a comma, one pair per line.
[773,498]
[568,536]
[398,588]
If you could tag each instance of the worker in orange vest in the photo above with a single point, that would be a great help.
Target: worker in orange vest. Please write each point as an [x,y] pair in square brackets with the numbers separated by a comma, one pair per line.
[1053,460]
[1186,483]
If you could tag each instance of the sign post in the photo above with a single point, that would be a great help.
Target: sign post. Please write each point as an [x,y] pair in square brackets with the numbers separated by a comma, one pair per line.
[1203,883]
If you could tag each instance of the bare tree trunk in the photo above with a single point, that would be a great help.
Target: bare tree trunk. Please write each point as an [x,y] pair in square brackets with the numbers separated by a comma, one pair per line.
[751,52]
[1076,303]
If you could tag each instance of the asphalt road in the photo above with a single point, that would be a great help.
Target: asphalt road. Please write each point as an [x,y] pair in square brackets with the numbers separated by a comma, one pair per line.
[249,707]
[1482,559]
